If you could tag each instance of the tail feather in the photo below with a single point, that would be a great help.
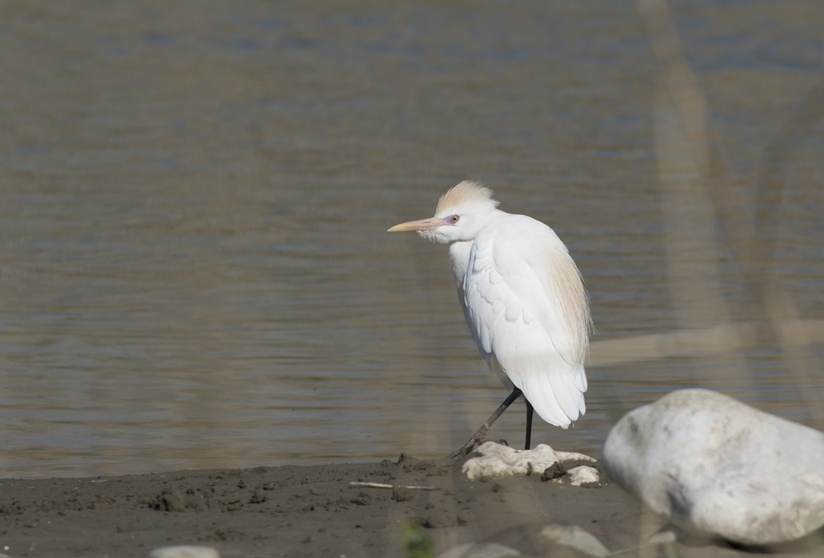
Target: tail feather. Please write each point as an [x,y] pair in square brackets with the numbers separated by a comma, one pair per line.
[553,390]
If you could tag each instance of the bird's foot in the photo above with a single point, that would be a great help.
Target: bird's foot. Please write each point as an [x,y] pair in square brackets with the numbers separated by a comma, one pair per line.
[477,439]
[463,451]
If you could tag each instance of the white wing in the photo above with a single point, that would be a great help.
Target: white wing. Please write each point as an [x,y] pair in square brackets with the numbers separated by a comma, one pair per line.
[527,309]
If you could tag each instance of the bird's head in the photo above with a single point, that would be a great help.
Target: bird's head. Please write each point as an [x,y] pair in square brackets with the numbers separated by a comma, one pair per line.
[461,214]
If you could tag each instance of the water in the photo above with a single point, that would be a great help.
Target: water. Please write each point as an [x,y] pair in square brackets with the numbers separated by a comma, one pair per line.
[194,269]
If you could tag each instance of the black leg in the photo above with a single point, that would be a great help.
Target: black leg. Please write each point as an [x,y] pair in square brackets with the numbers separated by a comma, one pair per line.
[480,434]
[529,411]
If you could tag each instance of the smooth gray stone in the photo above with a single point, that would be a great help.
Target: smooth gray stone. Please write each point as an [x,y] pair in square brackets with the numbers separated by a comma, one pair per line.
[480,550]
[576,538]
[184,551]
[715,466]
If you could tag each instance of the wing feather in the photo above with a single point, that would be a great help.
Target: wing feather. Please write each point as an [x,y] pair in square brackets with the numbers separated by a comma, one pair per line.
[527,309]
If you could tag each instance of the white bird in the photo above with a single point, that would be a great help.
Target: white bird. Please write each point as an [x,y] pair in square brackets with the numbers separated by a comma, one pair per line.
[523,298]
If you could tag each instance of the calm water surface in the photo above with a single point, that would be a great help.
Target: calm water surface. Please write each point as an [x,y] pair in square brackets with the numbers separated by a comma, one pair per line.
[194,269]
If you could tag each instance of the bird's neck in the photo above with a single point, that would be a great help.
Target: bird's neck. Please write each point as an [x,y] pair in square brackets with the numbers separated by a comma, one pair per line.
[459,255]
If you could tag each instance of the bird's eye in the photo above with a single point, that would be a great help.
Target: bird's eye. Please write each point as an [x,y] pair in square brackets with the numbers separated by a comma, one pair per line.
[454,218]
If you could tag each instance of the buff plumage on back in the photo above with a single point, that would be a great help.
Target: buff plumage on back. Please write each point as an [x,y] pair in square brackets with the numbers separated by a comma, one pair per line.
[571,296]
[464,193]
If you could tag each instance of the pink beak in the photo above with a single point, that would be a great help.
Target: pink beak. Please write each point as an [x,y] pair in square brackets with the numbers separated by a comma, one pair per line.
[421,225]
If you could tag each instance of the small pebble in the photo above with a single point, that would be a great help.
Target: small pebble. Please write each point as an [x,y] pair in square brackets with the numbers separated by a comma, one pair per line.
[583,475]
[401,494]
[258,497]
[173,501]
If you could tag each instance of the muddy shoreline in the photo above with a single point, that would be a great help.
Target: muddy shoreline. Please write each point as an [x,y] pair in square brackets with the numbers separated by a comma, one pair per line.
[313,511]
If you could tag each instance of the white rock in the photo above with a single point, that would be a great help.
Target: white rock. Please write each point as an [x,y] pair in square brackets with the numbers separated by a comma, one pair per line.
[712,465]
[583,474]
[575,537]
[480,550]
[497,460]
[184,551]
[664,536]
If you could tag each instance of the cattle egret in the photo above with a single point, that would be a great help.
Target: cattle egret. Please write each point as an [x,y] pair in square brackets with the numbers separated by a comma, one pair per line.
[524,301]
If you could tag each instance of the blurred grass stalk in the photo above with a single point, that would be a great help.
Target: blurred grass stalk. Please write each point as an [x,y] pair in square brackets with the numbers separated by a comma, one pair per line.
[698,189]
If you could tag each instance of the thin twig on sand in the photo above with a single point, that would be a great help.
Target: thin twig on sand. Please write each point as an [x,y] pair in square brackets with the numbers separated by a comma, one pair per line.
[390,486]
